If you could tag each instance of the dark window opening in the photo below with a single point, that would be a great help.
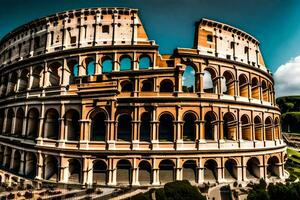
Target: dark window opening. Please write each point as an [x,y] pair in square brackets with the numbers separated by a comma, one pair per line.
[209,38]
[105,29]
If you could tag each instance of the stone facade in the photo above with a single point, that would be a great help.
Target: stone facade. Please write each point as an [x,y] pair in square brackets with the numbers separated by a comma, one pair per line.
[86,98]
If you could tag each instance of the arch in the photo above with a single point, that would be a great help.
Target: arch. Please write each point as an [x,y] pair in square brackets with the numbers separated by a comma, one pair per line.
[71,120]
[54,78]
[2,154]
[269,128]
[19,122]
[246,128]
[37,74]
[4,84]
[90,66]
[265,91]
[166,171]
[273,167]
[73,67]
[16,162]
[210,125]
[30,165]
[253,169]
[276,128]
[99,172]
[127,86]
[124,127]
[211,171]
[9,117]
[107,64]
[258,128]
[189,171]
[243,86]
[145,127]
[7,157]
[2,116]
[255,88]
[229,126]
[231,170]
[11,83]
[229,83]
[23,80]
[189,126]
[98,127]
[166,85]
[189,80]
[209,81]
[51,168]
[147,86]
[144,62]
[124,172]
[32,123]
[125,63]
[145,173]
[166,127]
[74,171]
[51,124]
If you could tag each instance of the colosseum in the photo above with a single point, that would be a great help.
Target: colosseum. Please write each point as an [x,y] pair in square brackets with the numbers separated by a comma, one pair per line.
[86,98]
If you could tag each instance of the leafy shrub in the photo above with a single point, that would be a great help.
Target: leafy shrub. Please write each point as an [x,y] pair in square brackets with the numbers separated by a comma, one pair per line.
[10,196]
[28,195]
[160,194]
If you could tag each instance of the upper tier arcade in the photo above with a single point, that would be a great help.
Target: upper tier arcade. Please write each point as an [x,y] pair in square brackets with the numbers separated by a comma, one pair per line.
[74,29]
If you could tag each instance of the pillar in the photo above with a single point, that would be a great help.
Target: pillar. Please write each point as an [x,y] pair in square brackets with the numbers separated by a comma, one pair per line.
[22,162]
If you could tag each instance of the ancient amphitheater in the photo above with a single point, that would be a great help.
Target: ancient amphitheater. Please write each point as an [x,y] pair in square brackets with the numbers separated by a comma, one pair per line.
[86,98]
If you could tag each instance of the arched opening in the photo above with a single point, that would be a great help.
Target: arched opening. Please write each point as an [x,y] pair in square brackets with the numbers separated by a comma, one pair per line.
[144,62]
[19,122]
[145,175]
[265,91]
[9,117]
[269,128]
[2,149]
[147,86]
[253,169]
[276,128]
[90,66]
[228,87]
[166,86]
[211,171]
[17,162]
[4,84]
[54,79]
[2,116]
[188,80]
[166,171]
[32,123]
[254,88]
[99,172]
[231,170]
[243,86]
[7,156]
[166,129]
[125,63]
[229,126]
[210,125]
[74,171]
[124,172]
[11,83]
[23,82]
[189,170]
[107,65]
[209,81]
[98,129]
[30,165]
[124,127]
[258,128]
[246,128]
[145,127]
[51,168]
[51,125]
[189,127]
[37,74]
[273,167]
[73,127]
[127,86]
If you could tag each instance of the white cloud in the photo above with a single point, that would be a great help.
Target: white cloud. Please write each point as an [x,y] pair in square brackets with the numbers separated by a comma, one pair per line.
[287,78]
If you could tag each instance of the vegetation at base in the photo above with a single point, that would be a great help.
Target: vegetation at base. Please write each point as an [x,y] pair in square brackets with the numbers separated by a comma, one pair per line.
[277,191]
[177,190]
[292,165]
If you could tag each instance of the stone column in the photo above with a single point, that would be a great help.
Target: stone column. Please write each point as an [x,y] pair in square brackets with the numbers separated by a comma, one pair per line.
[40,160]
[64,170]
[155,173]
[22,161]
[11,165]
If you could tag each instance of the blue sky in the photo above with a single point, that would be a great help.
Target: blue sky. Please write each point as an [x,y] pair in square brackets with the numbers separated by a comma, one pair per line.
[171,22]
